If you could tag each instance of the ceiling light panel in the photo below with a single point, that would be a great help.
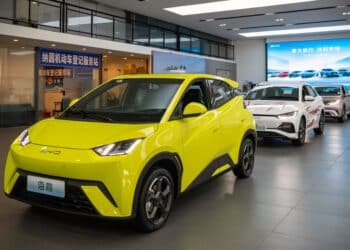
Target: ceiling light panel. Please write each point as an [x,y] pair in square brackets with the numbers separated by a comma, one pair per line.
[296,31]
[228,5]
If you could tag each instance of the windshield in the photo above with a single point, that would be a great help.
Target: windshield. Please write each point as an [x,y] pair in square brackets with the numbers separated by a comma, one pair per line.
[126,100]
[274,93]
[328,91]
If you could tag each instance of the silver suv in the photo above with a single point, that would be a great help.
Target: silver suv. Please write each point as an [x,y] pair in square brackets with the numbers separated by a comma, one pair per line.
[336,99]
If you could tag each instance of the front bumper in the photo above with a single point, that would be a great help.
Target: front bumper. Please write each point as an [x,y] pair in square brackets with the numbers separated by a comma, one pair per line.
[333,111]
[272,126]
[99,186]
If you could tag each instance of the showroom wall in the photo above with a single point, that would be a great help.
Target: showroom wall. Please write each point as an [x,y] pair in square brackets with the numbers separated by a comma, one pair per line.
[250,60]
[250,55]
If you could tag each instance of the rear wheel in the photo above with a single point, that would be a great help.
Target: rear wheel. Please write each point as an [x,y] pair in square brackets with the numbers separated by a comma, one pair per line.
[343,116]
[320,129]
[155,201]
[301,133]
[246,159]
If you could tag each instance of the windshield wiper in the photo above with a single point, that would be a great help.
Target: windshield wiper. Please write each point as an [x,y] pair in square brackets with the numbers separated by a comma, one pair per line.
[92,115]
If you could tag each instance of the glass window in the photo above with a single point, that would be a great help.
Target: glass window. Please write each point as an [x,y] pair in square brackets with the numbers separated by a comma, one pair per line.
[328,90]
[170,40]
[185,43]
[46,14]
[126,100]
[16,86]
[195,45]
[214,49]
[221,93]
[274,93]
[6,9]
[22,7]
[157,37]
[78,21]
[103,26]
[309,91]
[205,47]
[230,52]
[223,52]
[123,30]
[141,34]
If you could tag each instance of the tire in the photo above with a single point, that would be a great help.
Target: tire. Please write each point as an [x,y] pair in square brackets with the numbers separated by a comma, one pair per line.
[246,159]
[320,129]
[154,206]
[343,116]
[301,133]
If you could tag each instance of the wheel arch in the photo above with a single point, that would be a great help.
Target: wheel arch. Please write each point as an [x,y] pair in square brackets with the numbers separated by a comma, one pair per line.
[168,160]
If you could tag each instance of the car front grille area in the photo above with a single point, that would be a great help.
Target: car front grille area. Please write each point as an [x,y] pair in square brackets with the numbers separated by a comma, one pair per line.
[268,134]
[287,127]
[75,201]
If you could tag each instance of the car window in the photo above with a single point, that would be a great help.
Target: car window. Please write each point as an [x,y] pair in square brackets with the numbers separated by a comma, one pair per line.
[196,92]
[287,93]
[221,92]
[310,91]
[328,91]
[347,89]
[126,100]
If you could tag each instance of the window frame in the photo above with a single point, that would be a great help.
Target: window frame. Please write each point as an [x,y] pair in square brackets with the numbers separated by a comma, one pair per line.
[233,93]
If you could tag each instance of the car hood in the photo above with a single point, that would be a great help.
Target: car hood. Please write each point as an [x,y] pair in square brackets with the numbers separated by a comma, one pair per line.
[262,107]
[85,135]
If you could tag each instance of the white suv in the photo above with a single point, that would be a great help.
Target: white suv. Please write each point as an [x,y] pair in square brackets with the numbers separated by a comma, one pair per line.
[286,110]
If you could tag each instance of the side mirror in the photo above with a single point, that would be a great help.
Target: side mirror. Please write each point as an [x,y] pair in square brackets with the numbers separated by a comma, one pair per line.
[72,102]
[309,98]
[194,109]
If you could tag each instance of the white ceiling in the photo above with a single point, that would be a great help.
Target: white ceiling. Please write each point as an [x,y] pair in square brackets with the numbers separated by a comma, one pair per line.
[300,15]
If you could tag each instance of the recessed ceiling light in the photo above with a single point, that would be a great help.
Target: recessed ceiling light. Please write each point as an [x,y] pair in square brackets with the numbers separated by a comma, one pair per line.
[269,14]
[279,19]
[209,19]
[15,40]
[22,47]
[53,45]
[84,49]
[125,58]
[109,52]
[34,2]
[346,13]
[228,5]
[296,31]
[104,56]
[341,6]
[222,24]
[132,55]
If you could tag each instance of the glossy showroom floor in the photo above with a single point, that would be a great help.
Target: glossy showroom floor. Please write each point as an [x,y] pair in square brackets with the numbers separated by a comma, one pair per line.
[297,198]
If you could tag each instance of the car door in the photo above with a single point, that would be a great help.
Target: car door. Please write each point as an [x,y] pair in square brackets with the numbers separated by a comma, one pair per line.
[346,89]
[229,113]
[313,108]
[199,134]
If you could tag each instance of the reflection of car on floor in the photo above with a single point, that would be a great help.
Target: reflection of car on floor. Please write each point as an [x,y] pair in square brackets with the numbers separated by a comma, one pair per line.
[344,72]
[286,110]
[328,73]
[336,99]
[308,73]
[283,74]
[130,158]
[294,74]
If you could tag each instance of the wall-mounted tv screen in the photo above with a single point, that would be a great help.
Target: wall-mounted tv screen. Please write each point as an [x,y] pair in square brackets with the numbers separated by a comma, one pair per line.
[315,62]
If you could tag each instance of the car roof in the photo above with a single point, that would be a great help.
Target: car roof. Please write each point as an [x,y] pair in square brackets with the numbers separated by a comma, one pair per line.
[177,76]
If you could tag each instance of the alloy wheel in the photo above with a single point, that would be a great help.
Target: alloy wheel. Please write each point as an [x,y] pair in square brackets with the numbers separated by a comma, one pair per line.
[248,157]
[159,199]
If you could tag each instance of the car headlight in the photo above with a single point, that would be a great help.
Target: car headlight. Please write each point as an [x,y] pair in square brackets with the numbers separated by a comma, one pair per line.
[23,138]
[336,102]
[288,115]
[118,148]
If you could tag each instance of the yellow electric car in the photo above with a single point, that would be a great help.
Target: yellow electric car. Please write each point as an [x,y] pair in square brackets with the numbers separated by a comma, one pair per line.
[132,145]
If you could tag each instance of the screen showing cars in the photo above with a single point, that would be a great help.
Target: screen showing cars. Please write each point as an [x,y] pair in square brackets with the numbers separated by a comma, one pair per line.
[313,61]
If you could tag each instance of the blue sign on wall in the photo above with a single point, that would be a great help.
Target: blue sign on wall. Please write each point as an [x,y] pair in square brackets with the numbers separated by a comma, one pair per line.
[63,58]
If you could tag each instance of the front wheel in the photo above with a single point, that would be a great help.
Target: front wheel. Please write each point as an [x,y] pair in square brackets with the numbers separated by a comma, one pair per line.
[301,133]
[246,159]
[320,129]
[155,201]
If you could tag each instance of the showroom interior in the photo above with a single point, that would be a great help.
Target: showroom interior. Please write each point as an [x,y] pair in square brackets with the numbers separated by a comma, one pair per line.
[55,53]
